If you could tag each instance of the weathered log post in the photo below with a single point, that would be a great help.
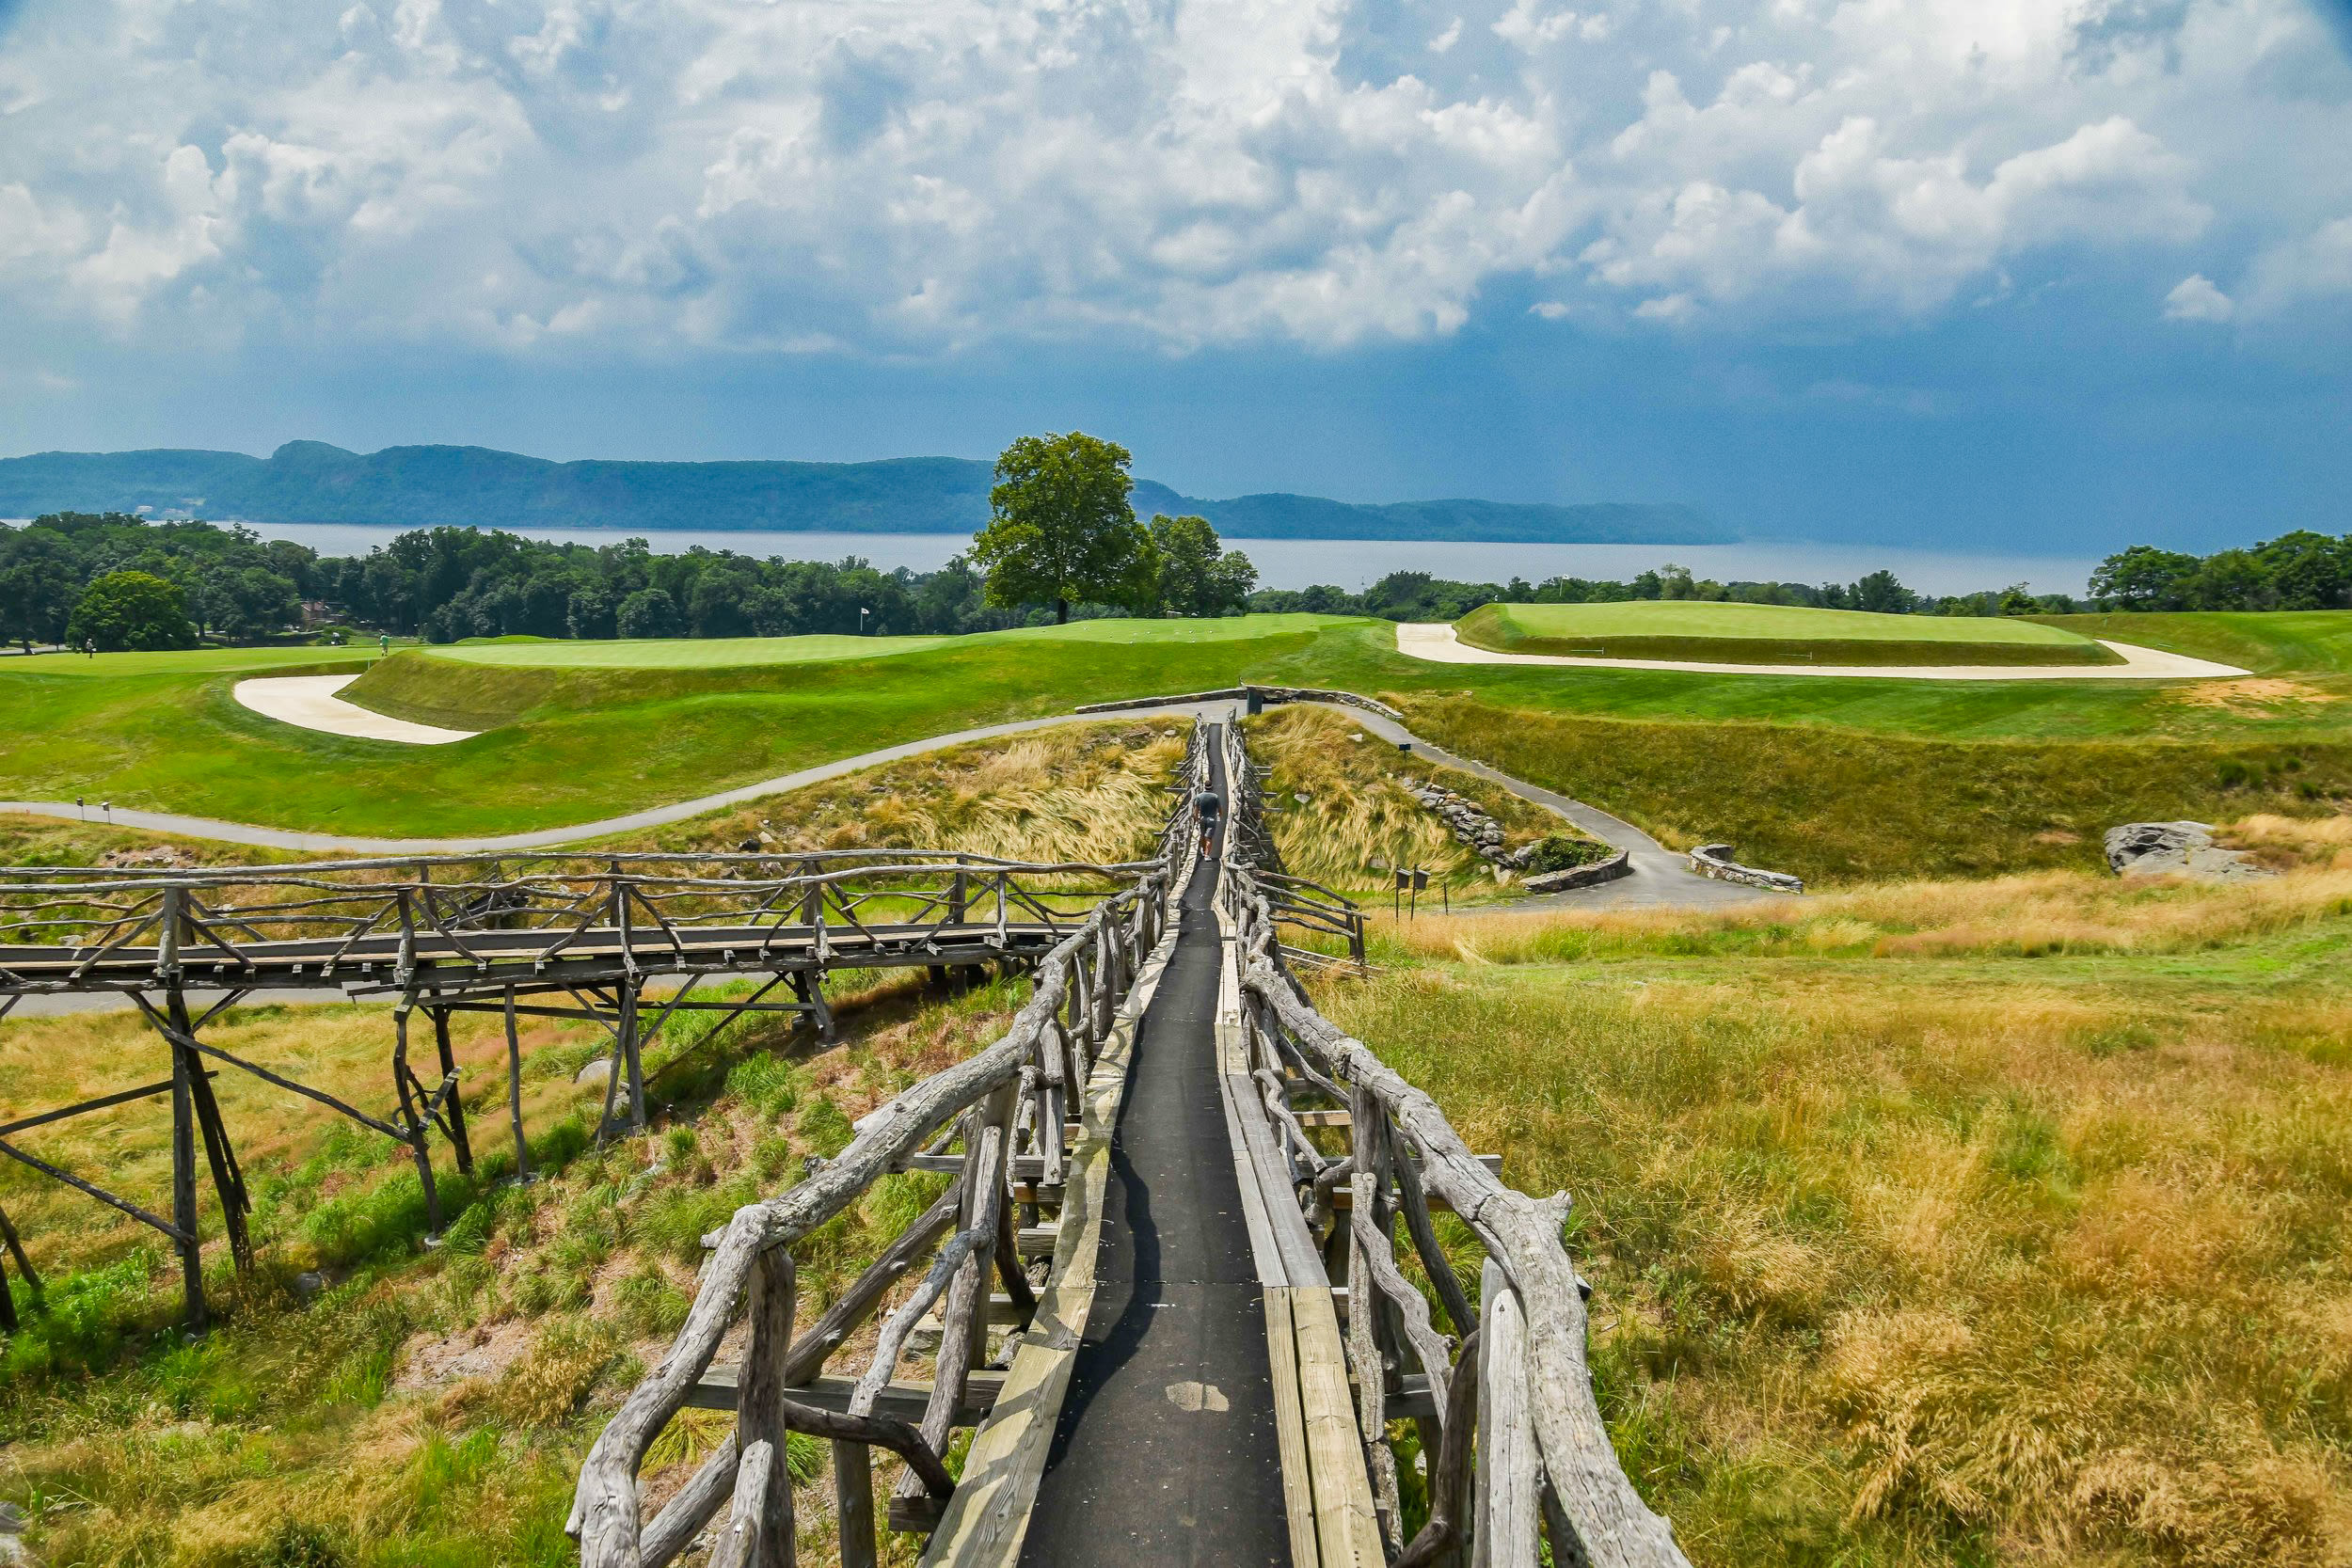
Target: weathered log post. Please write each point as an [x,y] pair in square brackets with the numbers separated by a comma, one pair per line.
[1369,1342]
[633,1052]
[759,1406]
[1509,1460]
[24,1267]
[515,1090]
[1440,1542]
[227,1180]
[412,1123]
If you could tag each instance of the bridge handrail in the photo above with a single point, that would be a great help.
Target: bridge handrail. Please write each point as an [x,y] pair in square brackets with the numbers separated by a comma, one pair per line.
[1545,1458]
[111,915]
[1023,1085]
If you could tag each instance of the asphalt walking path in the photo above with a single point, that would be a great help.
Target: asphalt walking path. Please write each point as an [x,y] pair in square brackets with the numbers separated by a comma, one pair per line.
[1165,1450]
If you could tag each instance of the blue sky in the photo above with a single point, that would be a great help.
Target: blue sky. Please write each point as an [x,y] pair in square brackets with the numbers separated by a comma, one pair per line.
[2018,274]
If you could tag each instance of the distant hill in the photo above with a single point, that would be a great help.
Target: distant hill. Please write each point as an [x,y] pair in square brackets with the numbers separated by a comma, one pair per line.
[310,481]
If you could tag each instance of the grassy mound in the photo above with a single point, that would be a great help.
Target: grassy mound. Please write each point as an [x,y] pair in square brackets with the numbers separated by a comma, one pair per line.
[1935,1226]
[1836,779]
[726,653]
[1843,806]
[1703,632]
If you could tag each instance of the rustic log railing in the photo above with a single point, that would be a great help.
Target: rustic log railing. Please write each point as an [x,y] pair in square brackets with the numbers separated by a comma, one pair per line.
[625,941]
[998,1122]
[1516,1390]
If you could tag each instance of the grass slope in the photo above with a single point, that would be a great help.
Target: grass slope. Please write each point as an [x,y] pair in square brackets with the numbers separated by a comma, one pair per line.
[1950,1224]
[1342,816]
[1769,634]
[1835,806]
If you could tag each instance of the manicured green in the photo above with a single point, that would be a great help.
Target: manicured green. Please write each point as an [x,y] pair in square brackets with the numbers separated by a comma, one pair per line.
[1702,618]
[1703,631]
[186,662]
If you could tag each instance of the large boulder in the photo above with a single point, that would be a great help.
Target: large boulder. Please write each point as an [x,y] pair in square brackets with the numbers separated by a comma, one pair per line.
[2178,849]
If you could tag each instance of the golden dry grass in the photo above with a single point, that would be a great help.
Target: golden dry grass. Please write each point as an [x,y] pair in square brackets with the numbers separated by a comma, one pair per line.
[1078,792]
[1913,1249]
[2037,913]
[2292,841]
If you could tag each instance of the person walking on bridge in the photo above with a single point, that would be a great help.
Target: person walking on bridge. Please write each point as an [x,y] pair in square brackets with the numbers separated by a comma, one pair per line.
[1209,808]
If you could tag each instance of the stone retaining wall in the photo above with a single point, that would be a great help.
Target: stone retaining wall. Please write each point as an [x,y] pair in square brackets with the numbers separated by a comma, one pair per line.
[1616,865]
[1713,860]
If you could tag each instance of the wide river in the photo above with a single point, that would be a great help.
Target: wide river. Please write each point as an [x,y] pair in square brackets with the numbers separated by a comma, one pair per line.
[1354,564]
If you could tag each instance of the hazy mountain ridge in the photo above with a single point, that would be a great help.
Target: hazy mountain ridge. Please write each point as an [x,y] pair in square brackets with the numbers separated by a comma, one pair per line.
[310,481]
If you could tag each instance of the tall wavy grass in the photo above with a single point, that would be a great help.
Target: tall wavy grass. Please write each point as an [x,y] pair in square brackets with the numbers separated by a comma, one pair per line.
[1992,1262]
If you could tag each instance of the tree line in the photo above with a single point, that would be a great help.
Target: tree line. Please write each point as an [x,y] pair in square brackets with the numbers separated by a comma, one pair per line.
[2301,570]
[1062,540]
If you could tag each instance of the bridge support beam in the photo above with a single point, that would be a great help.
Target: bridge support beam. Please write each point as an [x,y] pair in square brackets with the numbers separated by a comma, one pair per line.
[24,1266]
[184,1195]
[414,1108]
[453,1108]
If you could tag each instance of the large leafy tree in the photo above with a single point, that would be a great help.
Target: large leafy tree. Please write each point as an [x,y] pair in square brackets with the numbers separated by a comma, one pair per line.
[2145,578]
[1061,528]
[131,609]
[39,582]
[1195,574]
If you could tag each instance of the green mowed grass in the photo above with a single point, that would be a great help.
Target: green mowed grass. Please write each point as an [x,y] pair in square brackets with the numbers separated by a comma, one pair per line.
[1703,631]
[576,745]
[2304,641]
[1833,778]
[1702,618]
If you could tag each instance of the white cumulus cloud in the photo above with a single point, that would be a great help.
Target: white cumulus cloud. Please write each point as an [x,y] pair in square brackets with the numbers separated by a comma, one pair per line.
[909,175]
[2196,298]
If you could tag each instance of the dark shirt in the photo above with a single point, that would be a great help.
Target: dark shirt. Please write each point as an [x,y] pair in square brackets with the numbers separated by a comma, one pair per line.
[1208,805]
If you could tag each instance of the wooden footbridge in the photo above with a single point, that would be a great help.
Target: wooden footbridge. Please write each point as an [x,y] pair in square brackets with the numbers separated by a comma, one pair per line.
[626,940]
[1162,1289]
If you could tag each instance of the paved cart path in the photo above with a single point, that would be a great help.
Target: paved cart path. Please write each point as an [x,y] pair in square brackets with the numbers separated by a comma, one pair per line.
[1166,1449]
[1436,642]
